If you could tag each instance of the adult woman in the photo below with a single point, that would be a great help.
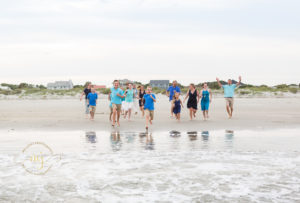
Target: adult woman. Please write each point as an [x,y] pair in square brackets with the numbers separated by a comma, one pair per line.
[142,92]
[193,100]
[206,96]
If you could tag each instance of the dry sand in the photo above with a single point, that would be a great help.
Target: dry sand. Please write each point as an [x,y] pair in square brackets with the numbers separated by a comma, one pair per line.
[68,114]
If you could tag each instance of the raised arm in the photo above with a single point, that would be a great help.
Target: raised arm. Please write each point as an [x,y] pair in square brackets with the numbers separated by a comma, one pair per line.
[219,83]
[240,80]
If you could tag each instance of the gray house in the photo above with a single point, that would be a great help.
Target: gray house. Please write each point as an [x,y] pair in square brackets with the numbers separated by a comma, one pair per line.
[60,85]
[124,82]
[163,84]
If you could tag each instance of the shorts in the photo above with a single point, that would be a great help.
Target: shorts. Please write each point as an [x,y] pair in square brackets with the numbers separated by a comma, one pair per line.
[127,106]
[204,105]
[229,101]
[117,106]
[93,109]
[149,113]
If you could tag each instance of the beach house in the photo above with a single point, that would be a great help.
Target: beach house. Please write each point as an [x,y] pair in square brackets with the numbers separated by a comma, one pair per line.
[60,85]
[163,84]
[124,82]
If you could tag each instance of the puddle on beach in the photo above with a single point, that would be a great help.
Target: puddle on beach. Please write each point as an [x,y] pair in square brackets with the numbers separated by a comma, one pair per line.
[205,166]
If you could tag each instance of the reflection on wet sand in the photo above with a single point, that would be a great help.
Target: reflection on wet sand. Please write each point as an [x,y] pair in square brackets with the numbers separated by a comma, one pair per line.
[175,133]
[118,139]
[91,137]
[192,135]
[115,140]
[229,135]
[205,136]
[149,142]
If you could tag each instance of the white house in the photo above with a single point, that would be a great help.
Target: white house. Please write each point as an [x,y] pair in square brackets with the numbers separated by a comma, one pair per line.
[60,85]
[4,88]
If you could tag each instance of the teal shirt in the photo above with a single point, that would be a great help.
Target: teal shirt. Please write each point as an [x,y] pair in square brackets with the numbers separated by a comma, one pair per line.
[229,90]
[114,98]
[129,96]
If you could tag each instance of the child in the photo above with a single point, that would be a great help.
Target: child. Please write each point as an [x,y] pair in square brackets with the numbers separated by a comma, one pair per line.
[149,99]
[177,103]
[92,101]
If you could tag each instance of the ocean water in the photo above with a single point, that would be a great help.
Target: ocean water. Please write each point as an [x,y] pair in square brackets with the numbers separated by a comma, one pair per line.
[204,166]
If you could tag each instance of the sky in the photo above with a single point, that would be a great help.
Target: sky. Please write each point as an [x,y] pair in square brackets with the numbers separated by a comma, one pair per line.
[191,41]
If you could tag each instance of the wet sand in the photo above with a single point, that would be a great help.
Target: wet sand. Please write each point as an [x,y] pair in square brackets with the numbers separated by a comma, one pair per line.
[254,114]
[208,166]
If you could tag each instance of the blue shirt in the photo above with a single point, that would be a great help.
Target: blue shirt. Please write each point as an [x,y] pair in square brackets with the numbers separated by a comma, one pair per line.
[114,98]
[171,89]
[149,103]
[92,97]
[229,90]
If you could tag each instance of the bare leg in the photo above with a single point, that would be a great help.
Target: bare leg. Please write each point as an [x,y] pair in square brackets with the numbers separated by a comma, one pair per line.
[191,113]
[147,121]
[204,116]
[178,116]
[207,114]
[92,115]
[129,114]
[231,108]
[172,110]
[118,118]
[228,111]
[114,116]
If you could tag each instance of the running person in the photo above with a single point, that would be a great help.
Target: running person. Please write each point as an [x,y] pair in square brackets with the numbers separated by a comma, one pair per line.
[193,100]
[229,94]
[177,104]
[85,92]
[116,102]
[206,97]
[92,101]
[171,92]
[149,106]
[142,92]
[135,99]
[128,105]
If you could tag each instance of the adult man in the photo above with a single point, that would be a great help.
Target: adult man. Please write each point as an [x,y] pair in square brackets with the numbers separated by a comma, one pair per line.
[229,94]
[171,92]
[86,92]
[116,95]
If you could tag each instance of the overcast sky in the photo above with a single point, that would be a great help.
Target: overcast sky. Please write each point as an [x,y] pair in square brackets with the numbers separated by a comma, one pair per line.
[187,40]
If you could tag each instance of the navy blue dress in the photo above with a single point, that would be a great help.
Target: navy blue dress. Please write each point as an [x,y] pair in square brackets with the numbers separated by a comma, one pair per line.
[177,107]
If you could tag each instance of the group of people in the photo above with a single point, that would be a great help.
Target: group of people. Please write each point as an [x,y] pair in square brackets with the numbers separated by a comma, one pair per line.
[125,101]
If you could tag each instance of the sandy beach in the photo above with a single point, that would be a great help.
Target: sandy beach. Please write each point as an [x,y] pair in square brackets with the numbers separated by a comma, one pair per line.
[68,114]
